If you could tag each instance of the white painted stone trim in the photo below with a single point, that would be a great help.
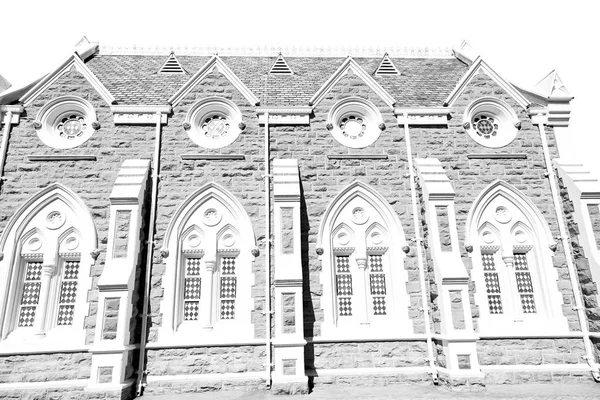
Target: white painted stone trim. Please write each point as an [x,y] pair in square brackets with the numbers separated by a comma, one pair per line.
[212,329]
[359,108]
[139,115]
[60,107]
[74,383]
[214,62]
[213,106]
[548,318]
[350,65]
[10,244]
[74,61]
[481,66]
[506,118]
[584,189]
[242,376]
[396,322]
[15,112]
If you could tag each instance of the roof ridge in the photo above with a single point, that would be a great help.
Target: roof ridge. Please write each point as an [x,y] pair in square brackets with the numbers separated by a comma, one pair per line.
[289,51]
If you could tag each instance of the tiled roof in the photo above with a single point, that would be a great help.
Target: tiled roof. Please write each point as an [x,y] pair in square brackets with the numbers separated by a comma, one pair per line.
[134,79]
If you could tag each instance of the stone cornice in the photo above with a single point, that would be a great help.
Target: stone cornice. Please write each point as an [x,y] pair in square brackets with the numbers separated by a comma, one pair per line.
[134,109]
[284,110]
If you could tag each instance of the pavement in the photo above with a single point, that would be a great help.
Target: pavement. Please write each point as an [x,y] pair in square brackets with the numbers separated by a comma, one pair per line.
[571,391]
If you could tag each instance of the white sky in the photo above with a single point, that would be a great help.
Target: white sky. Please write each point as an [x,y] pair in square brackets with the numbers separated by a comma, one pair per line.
[521,40]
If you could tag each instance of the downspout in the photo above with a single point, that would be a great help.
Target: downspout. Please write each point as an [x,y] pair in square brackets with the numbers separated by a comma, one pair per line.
[589,352]
[142,374]
[4,148]
[267,179]
[419,243]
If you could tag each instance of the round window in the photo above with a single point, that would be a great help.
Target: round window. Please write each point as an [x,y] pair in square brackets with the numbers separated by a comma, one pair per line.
[491,122]
[66,122]
[354,122]
[213,123]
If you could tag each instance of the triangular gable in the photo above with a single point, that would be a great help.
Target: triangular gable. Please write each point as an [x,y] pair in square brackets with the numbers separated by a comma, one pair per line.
[551,85]
[280,67]
[480,65]
[74,61]
[171,66]
[386,67]
[346,66]
[214,62]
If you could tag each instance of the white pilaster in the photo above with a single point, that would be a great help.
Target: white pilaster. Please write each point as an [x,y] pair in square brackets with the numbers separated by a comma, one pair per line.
[450,273]
[289,322]
[112,345]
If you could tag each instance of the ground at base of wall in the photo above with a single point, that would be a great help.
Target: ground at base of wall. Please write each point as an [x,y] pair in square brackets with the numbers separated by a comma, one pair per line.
[533,391]
[66,393]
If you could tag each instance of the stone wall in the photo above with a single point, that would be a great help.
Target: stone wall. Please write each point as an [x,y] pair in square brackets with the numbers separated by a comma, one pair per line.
[45,367]
[530,351]
[206,360]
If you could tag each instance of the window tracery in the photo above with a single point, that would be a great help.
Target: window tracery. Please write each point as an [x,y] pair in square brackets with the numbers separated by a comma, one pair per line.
[355,122]
[513,265]
[491,122]
[47,274]
[362,270]
[208,275]
[214,122]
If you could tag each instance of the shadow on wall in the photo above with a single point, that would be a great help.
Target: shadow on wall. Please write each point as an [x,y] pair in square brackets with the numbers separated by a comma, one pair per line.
[309,310]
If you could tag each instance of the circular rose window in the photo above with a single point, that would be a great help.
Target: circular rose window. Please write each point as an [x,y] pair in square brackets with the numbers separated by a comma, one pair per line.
[491,122]
[354,122]
[213,123]
[66,122]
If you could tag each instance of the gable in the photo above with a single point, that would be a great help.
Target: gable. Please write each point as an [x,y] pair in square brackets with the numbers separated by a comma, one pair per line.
[73,62]
[215,63]
[480,66]
[351,66]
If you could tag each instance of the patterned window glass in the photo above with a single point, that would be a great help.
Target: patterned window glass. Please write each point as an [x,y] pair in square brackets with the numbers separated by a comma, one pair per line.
[191,293]
[31,294]
[378,289]
[524,284]
[68,293]
[343,280]
[228,287]
[492,283]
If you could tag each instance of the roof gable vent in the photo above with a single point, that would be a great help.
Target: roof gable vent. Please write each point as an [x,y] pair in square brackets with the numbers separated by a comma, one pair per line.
[280,67]
[386,67]
[172,66]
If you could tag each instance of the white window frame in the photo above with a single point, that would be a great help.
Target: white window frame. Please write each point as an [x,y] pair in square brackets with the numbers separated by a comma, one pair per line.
[30,225]
[57,108]
[504,116]
[213,106]
[364,325]
[524,217]
[212,247]
[355,106]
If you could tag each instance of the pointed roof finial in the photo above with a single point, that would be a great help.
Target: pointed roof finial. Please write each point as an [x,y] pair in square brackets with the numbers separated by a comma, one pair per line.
[552,86]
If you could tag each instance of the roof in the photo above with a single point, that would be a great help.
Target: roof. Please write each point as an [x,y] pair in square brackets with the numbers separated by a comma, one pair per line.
[135,79]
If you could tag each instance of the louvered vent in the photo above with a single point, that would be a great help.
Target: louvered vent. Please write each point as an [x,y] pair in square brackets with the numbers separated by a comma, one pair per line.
[280,67]
[172,66]
[386,67]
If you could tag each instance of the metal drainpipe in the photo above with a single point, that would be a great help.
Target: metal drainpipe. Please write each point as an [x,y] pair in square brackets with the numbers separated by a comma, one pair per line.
[419,242]
[142,374]
[267,178]
[589,352]
[4,148]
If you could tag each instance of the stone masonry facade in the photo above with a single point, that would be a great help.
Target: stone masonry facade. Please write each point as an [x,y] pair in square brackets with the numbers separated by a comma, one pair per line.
[352,221]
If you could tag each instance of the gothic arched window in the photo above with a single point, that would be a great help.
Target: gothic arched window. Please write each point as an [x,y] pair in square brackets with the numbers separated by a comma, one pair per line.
[363,276]
[45,275]
[208,277]
[512,265]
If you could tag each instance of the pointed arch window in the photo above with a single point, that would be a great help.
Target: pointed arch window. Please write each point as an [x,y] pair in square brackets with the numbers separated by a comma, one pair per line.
[363,275]
[46,275]
[209,274]
[513,265]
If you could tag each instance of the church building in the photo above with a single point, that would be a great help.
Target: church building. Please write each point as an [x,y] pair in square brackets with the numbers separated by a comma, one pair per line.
[181,220]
